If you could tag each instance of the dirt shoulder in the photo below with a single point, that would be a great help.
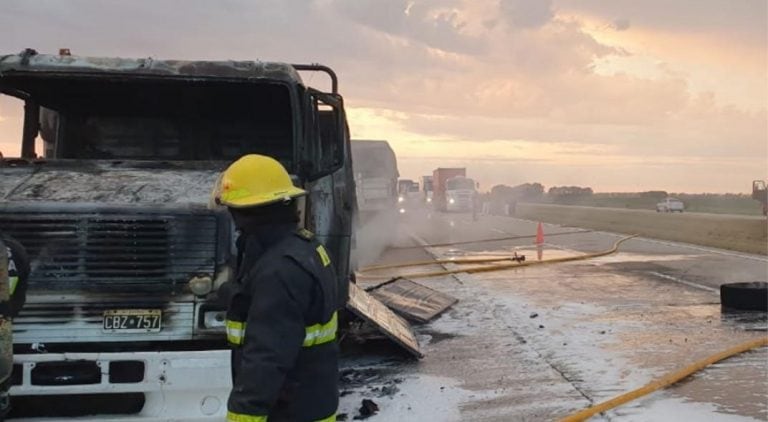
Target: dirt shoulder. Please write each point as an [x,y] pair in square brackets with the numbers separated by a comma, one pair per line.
[719,231]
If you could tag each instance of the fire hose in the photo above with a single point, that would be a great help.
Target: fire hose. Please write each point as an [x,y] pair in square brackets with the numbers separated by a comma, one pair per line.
[495,239]
[665,381]
[485,269]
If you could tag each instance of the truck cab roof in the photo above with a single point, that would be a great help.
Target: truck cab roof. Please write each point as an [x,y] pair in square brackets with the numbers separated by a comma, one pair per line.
[29,64]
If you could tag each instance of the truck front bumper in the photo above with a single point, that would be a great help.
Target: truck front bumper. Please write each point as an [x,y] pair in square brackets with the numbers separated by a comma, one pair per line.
[178,386]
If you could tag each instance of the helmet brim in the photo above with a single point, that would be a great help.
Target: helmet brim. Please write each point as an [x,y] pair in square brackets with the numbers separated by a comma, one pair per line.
[250,201]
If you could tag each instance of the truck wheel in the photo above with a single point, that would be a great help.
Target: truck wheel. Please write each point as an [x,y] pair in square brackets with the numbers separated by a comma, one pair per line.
[751,296]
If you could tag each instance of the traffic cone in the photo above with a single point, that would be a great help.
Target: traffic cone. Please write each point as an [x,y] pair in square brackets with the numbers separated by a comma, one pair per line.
[539,235]
[539,242]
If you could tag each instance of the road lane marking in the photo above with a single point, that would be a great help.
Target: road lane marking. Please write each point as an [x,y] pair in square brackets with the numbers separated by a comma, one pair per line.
[686,282]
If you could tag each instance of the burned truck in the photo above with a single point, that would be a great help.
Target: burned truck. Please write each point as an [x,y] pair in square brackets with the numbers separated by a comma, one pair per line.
[111,198]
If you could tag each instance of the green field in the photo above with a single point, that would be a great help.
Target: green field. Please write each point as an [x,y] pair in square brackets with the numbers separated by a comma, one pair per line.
[720,231]
[716,204]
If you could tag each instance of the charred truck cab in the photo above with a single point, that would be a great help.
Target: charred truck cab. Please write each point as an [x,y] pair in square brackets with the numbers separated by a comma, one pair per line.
[110,197]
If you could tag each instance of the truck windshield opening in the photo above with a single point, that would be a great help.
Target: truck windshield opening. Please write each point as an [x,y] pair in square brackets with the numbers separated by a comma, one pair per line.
[176,120]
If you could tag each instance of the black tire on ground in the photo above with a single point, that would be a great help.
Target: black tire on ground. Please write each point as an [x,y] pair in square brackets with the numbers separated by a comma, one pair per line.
[752,296]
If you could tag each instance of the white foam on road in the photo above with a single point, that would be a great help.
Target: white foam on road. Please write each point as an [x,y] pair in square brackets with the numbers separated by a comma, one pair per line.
[674,409]
[420,398]
[577,342]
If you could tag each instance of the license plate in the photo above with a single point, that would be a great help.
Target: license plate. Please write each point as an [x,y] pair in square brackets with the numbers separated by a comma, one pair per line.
[133,321]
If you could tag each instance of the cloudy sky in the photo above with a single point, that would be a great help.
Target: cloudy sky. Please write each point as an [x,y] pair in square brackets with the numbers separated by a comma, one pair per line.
[618,95]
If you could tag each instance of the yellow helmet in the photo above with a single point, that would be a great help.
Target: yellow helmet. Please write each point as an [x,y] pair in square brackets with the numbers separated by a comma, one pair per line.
[254,180]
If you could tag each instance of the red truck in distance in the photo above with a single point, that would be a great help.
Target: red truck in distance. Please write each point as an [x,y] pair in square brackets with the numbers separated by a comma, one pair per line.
[439,183]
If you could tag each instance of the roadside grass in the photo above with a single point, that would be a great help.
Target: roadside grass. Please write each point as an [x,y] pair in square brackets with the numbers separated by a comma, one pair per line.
[716,204]
[719,231]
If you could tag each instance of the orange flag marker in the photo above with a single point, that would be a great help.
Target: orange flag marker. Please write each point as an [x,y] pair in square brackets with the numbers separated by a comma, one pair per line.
[539,235]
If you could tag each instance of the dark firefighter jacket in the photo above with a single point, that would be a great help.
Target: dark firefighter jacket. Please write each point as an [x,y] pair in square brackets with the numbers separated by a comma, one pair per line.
[18,273]
[282,322]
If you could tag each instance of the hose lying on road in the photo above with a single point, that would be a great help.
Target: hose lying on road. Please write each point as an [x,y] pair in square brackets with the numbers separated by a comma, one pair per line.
[495,239]
[491,268]
[665,381]
[516,258]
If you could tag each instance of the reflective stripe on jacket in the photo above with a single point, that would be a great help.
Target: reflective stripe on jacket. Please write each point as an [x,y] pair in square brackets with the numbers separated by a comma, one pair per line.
[316,334]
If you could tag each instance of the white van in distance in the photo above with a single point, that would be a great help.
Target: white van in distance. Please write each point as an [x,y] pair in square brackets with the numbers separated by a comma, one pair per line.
[670,205]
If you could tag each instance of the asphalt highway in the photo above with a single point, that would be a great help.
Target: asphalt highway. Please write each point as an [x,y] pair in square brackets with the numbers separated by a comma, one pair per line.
[542,342]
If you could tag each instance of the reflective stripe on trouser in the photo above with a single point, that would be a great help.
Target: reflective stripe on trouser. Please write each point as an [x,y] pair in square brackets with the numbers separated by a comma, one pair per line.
[235,332]
[239,417]
[315,334]
[321,333]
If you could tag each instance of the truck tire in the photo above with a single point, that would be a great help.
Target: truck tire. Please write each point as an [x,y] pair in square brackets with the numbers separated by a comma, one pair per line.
[751,296]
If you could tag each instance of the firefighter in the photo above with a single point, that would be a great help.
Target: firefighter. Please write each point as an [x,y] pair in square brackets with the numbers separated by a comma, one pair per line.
[18,272]
[282,305]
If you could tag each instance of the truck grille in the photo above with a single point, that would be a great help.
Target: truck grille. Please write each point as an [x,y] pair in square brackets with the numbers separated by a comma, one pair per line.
[114,252]
[81,321]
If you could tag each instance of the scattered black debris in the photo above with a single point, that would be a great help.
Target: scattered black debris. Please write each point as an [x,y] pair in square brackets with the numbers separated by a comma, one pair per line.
[541,326]
[437,336]
[533,315]
[341,417]
[368,409]
[345,393]
[602,332]
[359,377]
[389,390]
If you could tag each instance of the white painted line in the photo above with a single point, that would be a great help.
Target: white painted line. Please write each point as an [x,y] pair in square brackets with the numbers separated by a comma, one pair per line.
[419,240]
[686,282]
[499,231]
[714,251]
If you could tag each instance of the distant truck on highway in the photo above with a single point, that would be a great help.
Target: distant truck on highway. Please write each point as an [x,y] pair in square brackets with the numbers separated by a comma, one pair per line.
[375,168]
[123,320]
[460,194]
[440,178]
[409,195]
[760,193]
[427,189]
[670,205]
